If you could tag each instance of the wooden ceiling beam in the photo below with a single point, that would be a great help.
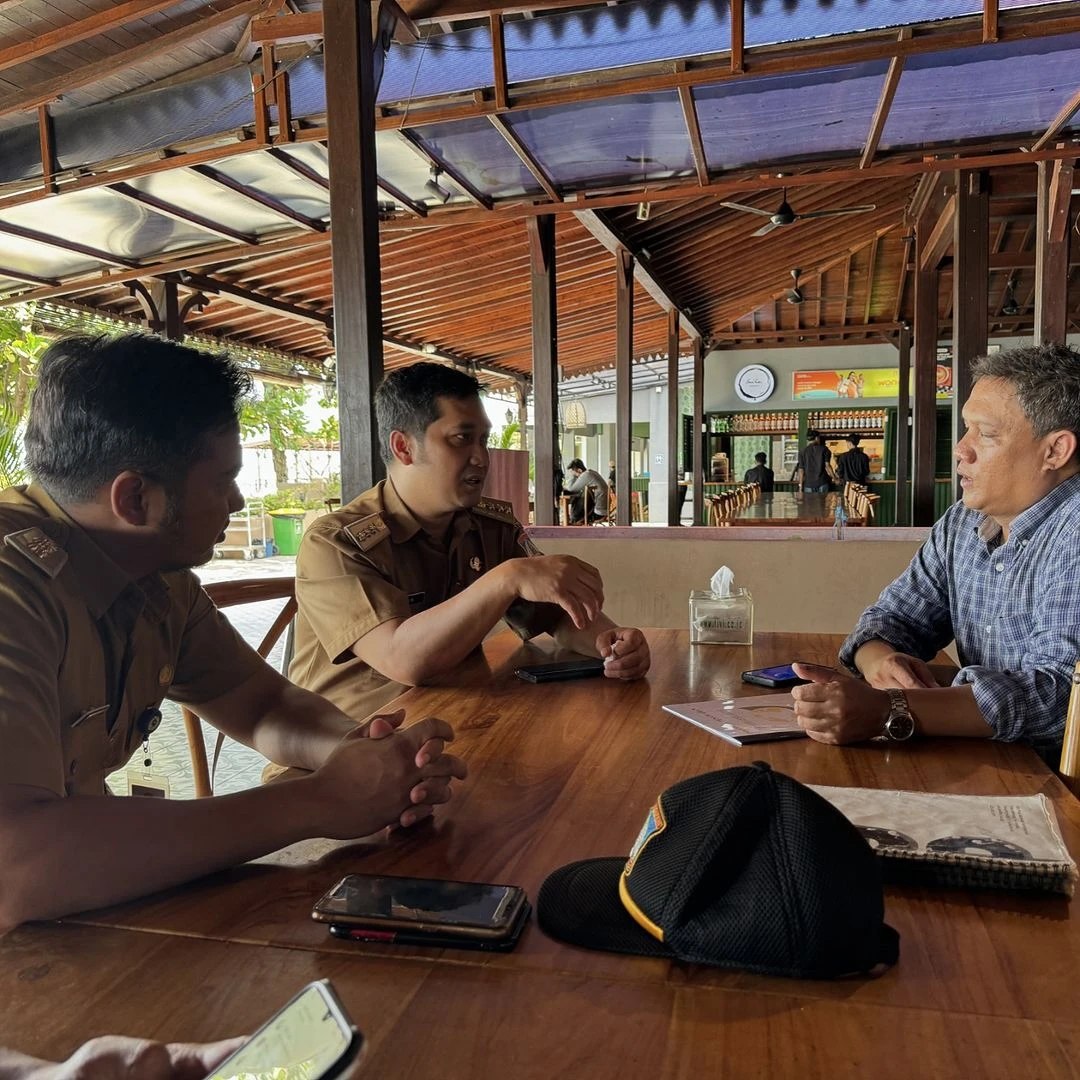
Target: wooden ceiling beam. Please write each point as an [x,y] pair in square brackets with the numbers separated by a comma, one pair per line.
[870,276]
[808,332]
[195,24]
[437,161]
[693,133]
[990,21]
[266,202]
[881,113]
[526,156]
[262,301]
[1063,117]
[612,239]
[166,209]
[941,236]
[285,29]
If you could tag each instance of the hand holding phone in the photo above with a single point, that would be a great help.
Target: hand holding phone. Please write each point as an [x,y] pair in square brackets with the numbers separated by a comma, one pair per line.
[311,1036]
[778,677]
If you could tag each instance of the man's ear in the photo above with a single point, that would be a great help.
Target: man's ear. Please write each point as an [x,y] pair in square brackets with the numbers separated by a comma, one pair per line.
[1060,449]
[130,497]
[401,446]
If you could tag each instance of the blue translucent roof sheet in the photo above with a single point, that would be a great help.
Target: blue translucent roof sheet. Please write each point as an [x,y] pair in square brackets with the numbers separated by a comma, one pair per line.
[786,116]
[617,140]
[978,93]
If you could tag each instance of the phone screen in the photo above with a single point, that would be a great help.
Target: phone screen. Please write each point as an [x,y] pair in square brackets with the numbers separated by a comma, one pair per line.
[784,671]
[304,1041]
[421,900]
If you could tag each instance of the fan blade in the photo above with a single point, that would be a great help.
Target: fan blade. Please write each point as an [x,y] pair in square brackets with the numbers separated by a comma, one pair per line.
[836,213]
[766,229]
[747,209]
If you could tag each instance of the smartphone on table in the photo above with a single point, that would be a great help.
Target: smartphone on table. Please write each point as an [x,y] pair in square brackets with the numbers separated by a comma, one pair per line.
[559,670]
[310,1037]
[407,907]
[776,677]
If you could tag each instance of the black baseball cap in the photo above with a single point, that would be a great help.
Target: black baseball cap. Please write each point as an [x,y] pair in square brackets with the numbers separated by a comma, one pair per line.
[741,868]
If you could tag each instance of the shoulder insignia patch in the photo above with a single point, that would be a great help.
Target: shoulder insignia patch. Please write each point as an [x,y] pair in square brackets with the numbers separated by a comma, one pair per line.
[368,531]
[497,509]
[40,549]
[526,544]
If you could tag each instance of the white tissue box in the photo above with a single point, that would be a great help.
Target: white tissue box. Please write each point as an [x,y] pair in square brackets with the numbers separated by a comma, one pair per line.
[721,620]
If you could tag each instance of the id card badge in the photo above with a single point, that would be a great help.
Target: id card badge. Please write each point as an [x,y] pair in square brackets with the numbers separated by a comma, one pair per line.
[147,785]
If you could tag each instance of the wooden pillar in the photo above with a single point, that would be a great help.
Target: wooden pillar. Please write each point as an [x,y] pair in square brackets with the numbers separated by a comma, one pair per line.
[924,404]
[624,391]
[903,427]
[971,277]
[700,464]
[674,418]
[174,320]
[521,393]
[1052,251]
[351,85]
[545,349]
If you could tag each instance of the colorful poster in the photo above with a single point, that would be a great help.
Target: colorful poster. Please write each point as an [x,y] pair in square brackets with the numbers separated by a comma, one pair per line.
[858,383]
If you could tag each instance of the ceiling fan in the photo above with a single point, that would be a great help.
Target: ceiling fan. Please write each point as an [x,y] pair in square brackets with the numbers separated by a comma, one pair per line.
[795,295]
[784,215]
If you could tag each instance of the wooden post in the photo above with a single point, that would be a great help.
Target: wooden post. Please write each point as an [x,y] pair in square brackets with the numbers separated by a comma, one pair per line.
[971,276]
[174,320]
[924,405]
[1052,251]
[698,436]
[674,418]
[351,84]
[624,391]
[903,428]
[545,347]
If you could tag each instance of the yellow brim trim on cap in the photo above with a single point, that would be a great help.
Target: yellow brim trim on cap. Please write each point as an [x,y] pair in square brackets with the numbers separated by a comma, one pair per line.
[636,913]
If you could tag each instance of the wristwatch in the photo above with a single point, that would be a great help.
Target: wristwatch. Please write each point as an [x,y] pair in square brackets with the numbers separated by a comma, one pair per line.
[900,725]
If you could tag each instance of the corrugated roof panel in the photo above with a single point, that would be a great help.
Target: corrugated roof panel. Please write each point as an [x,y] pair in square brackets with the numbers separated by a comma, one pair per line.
[30,257]
[482,156]
[1010,89]
[787,116]
[401,165]
[617,140]
[264,174]
[437,65]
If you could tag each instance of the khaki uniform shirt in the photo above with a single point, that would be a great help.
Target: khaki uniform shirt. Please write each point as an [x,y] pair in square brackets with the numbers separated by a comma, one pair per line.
[371,562]
[85,651]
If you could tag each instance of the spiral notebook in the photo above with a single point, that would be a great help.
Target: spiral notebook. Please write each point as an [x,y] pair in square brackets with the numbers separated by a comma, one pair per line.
[967,841]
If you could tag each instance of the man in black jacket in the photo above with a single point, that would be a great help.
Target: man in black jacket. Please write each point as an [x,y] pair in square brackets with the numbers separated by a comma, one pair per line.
[853,467]
[760,474]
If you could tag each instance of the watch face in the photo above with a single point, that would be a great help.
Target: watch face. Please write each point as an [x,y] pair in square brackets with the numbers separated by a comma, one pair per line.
[754,383]
[900,726]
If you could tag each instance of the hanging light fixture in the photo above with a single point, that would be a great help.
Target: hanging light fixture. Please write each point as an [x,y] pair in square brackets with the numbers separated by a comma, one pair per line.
[434,188]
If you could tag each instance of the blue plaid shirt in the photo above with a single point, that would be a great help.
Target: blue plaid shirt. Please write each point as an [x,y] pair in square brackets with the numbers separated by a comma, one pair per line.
[1013,610]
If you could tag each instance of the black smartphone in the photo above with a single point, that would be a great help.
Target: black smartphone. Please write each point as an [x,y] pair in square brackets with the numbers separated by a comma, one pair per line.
[561,669]
[432,940]
[311,1033]
[468,909]
[777,677]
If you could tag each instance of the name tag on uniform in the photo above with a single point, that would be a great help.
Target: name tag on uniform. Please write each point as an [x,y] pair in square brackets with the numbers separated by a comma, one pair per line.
[147,785]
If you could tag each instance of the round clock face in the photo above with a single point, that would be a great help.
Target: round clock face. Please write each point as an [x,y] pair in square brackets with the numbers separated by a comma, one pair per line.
[755,383]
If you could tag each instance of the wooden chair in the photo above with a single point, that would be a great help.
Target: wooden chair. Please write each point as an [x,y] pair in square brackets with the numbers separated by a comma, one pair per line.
[1069,767]
[230,594]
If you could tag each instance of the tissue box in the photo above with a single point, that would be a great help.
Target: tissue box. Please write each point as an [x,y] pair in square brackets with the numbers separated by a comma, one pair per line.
[721,620]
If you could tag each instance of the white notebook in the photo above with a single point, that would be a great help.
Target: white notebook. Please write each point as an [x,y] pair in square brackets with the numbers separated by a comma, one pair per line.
[743,720]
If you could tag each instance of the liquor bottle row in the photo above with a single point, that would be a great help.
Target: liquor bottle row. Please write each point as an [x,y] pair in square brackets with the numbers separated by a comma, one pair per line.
[846,420]
[754,423]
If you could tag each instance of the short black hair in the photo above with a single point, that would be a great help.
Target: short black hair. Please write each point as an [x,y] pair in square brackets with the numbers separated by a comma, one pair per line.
[854,439]
[761,457]
[811,435]
[107,404]
[577,463]
[408,399]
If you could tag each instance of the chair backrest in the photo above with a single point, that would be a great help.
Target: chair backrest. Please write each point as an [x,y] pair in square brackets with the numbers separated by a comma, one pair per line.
[1069,767]
[230,594]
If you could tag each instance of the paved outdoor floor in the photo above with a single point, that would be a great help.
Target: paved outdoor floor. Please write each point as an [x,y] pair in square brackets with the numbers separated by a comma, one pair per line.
[239,766]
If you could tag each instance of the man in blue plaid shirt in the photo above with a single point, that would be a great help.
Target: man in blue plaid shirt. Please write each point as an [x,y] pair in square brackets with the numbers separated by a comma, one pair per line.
[999,575]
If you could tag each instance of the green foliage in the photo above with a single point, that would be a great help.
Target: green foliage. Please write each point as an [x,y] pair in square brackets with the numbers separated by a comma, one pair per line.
[280,414]
[509,438]
[20,348]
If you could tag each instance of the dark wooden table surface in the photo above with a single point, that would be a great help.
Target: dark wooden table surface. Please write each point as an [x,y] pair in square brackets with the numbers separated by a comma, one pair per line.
[789,508]
[984,985]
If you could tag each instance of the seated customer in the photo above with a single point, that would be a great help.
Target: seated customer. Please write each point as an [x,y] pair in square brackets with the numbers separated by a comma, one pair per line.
[134,444]
[399,586]
[588,488]
[760,474]
[999,574]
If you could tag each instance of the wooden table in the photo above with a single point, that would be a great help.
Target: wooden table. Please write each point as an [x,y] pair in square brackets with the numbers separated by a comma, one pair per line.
[789,508]
[562,772]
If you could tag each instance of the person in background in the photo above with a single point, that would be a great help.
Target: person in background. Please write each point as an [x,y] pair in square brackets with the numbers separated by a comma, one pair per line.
[760,474]
[853,467]
[118,1057]
[398,587]
[587,486]
[134,446]
[999,575]
[611,474]
[814,464]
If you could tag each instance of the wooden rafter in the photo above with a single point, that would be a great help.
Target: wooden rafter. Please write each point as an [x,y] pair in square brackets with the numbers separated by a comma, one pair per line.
[176,213]
[693,131]
[881,113]
[267,202]
[941,237]
[737,36]
[498,58]
[526,156]
[1063,117]
[990,20]
[871,271]
[435,159]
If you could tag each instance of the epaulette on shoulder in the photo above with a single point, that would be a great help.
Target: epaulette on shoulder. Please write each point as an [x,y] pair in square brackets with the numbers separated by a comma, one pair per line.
[44,552]
[368,531]
[497,509]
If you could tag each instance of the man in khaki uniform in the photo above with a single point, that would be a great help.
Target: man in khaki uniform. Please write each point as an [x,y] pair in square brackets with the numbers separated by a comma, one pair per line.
[402,584]
[134,445]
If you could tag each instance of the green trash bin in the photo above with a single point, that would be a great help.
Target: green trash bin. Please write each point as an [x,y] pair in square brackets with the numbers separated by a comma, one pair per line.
[288,529]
